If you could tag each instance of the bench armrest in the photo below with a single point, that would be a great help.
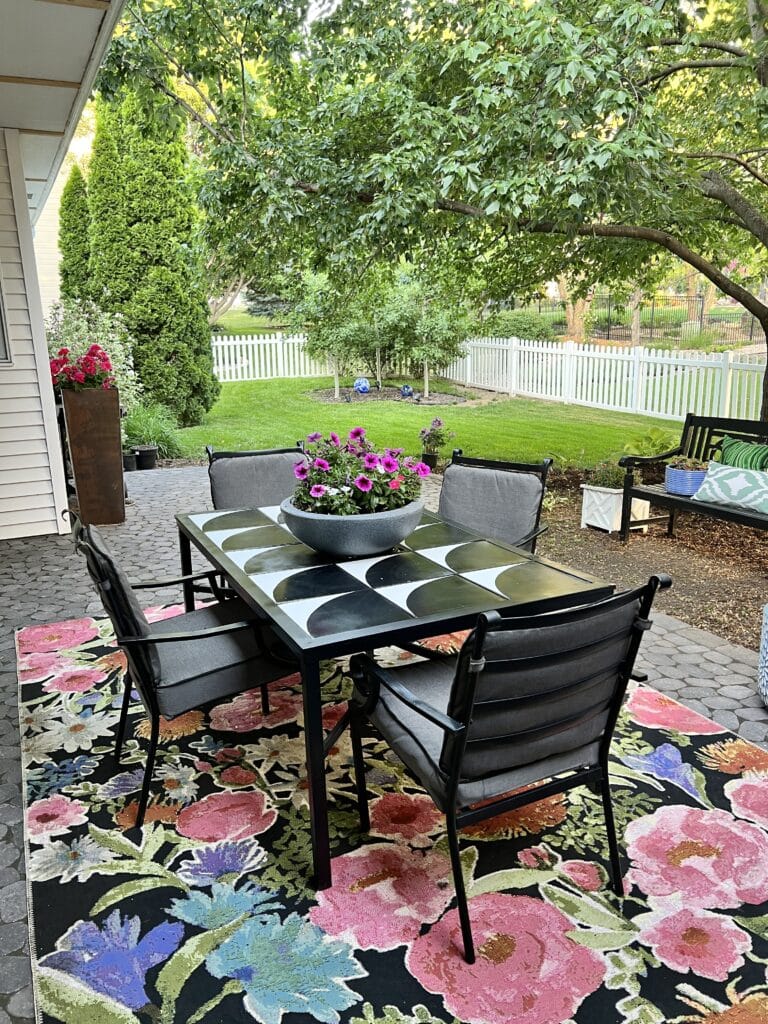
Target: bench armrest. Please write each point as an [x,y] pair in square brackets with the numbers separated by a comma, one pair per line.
[628,461]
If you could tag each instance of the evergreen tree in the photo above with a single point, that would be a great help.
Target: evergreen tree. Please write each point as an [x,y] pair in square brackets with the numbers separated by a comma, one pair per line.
[74,245]
[110,282]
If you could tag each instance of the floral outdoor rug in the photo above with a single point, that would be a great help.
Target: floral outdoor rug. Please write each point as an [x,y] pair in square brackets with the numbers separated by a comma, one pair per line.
[207,917]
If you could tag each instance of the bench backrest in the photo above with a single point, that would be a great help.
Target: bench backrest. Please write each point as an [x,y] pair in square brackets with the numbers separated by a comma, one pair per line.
[702,434]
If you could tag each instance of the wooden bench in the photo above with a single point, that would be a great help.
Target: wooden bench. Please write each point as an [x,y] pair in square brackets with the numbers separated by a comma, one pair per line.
[700,439]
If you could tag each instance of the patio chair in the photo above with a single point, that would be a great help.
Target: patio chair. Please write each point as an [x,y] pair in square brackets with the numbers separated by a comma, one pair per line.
[183,662]
[501,500]
[251,479]
[526,700]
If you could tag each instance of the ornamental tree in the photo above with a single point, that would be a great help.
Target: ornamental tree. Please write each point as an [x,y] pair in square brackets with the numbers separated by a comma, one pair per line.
[543,138]
[73,236]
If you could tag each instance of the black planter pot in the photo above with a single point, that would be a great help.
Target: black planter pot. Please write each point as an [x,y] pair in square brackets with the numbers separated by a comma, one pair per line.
[146,456]
[129,462]
[429,459]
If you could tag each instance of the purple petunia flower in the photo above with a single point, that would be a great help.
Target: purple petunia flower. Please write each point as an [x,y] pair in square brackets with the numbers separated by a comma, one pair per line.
[394,452]
[390,464]
[317,490]
[421,469]
[322,464]
[363,483]
[371,460]
[357,434]
[334,438]
[301,471]
[113,960]
[315,436]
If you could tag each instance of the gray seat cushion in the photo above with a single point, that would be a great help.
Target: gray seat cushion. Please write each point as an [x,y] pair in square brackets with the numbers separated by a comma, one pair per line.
[250,481]
[502,505]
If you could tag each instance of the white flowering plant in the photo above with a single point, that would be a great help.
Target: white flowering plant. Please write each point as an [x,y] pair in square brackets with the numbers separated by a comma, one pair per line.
[351,478]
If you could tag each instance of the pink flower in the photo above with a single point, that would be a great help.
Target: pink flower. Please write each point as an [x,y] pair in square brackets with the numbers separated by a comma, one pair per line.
[584,873]
[535,857]
[421,469]
[63,352]
[33,668]
[710,945]
[363,483]
[54,816]
[749,797]
[57,636]
[226,816]
[322,464]
[708,858]
[651,708]
[381,895]
[396,483]
[317,490]
[398,814]
[525,960]
[390,464]
[371,460]
[334,438]
[243,713]
[75,680]
[301,471]
[314,436]
[357,434]
[237,776]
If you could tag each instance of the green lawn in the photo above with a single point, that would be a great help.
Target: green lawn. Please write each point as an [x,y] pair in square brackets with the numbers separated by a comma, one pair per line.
[237,321]
[265,414]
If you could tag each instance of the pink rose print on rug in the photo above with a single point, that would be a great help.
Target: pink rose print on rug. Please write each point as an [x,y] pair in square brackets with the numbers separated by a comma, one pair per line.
[749,798]
[409,817]
[226,816]
[75,680]
[54,816]
[709,945]
[243,714]
[651,708]
[525,960]
[587,875]
[381,895]
[57,636]
[33,668]
[707,858]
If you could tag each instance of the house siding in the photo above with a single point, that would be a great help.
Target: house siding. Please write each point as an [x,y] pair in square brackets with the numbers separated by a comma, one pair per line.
[32,486]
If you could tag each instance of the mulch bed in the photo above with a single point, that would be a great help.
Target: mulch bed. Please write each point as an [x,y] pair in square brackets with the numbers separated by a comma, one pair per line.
[719,570]
[388,395]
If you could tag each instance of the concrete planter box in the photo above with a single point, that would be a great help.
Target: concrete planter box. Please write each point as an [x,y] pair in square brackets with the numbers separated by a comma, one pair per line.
[601,508]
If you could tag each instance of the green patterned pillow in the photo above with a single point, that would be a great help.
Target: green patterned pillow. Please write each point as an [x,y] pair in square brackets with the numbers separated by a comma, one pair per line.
[744,454]
[730,485]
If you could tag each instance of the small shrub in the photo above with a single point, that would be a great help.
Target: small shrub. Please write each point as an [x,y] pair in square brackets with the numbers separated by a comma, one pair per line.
[655,441]
[513,323]
[152,424]
[680,462]
[605,474]
[700,340]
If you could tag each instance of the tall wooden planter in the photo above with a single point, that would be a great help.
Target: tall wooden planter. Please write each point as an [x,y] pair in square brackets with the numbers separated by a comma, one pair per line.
[93,433]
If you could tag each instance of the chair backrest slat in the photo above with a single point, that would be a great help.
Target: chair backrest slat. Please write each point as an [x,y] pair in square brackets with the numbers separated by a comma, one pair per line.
[252,479]
[555,693]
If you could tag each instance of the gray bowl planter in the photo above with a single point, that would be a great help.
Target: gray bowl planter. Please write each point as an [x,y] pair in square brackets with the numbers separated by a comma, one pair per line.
[352,536]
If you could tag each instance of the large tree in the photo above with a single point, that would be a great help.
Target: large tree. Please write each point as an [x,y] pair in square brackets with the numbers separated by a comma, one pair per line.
[73,236]
[545,137]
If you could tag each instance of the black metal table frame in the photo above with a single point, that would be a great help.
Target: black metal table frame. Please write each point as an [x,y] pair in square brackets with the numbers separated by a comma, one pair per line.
[317,649]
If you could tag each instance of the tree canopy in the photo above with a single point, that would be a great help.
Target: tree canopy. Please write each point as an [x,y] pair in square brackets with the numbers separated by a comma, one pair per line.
[535,138]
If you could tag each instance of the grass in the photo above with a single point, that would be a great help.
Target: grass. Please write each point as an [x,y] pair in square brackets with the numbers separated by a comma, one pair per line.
[237,321]
[266,414]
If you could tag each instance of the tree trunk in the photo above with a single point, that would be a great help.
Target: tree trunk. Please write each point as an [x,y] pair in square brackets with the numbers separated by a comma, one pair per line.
[378,366]
[710,296]
[764,405]
[426,379]
[634,304]
[576,310]
[336,383]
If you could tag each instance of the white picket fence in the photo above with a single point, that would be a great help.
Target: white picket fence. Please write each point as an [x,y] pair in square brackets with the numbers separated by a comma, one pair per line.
[638,380]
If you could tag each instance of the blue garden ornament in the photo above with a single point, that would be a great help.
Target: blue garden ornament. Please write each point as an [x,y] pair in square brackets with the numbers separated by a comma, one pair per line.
[406,391]
[362,385]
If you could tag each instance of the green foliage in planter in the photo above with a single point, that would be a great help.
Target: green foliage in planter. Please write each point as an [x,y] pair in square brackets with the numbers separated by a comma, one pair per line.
[152,424]
[513,323]
[73,236]
[605,474]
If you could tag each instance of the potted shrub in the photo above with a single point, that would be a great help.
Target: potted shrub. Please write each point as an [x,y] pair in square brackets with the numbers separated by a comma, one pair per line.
[601,498]
[433,438]
[149,431]
[352,501]
[684,476]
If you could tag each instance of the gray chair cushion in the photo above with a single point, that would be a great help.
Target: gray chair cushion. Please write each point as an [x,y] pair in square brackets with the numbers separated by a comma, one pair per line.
[250,481]
[502,505]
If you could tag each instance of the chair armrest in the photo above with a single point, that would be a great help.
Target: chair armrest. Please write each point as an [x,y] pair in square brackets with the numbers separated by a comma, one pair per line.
[158,584]
[198,634]
[364,665]
[424,652]
[646,460]
[531,536]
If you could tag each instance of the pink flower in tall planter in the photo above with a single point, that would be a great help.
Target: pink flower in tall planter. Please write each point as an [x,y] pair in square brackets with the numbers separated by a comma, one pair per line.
[749,797]
[381,895]
[527,970]
[400,814]
[237,815]
[54,816]
[57,636]
[75,680]
[710,945]
[650,708]
[708,858]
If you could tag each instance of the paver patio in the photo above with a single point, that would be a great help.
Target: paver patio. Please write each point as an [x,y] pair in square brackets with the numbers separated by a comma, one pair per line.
[43,580]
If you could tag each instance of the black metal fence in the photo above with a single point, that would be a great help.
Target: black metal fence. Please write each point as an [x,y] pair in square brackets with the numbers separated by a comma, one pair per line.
[665,321]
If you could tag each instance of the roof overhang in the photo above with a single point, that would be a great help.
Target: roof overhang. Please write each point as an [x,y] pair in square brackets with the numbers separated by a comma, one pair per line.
[50,52]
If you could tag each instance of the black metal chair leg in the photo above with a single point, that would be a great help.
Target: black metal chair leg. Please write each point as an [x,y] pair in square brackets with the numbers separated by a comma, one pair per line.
[458,881]
[123,717]
[360,787]
[672,522]
[148,769]
[613,845]
[264,700]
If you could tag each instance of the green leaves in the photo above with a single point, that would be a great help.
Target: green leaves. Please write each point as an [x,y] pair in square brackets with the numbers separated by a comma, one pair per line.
[63,998]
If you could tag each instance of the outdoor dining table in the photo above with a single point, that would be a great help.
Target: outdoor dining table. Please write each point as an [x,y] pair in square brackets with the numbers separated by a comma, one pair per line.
[437,581]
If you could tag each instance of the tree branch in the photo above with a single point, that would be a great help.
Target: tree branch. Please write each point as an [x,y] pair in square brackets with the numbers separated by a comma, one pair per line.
[684,65]
[758,17]
[734,158]
[706,44]
[714,186]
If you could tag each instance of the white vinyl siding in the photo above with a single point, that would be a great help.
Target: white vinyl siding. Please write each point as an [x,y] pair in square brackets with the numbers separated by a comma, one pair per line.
[32,492]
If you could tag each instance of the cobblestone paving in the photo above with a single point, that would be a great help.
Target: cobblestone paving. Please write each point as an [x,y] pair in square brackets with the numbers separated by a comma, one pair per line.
[43,580]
